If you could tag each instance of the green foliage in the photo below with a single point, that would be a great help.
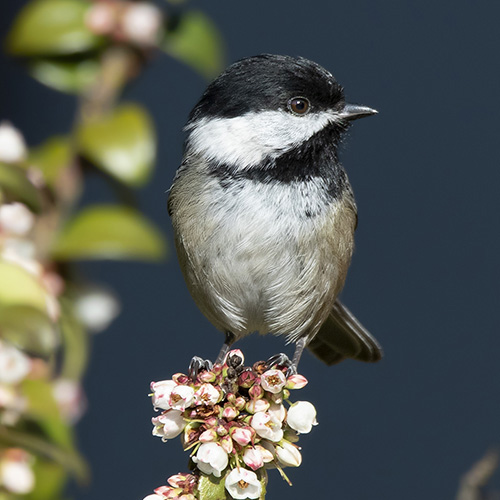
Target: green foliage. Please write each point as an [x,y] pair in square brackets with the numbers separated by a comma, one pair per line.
[51,158]
[196,41]
[29,329]
[212,488]
[66,75]
[109,232]
[52,27]
[15,186]
[122,143]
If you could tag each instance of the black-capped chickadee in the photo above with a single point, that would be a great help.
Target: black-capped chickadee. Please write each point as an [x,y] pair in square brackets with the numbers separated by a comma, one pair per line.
[263,212]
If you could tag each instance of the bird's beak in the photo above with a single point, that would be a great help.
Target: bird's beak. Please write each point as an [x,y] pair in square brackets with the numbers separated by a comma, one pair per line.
[353,112]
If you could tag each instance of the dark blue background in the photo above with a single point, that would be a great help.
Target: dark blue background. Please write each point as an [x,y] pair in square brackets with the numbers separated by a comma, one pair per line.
[425,274]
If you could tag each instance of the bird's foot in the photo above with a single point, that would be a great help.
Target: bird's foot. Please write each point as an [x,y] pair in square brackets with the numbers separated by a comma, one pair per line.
[282,360]
[198,365]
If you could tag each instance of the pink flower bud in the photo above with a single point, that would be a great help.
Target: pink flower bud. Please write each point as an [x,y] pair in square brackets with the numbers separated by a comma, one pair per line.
[221,430]
[208,435]
[296,382]
[247,379]
[229,413]
[227,444]
[242,435]
[256,392]
[257,405]
[181,379]
[240,403]
[206,376]
[253,458]
[210,422]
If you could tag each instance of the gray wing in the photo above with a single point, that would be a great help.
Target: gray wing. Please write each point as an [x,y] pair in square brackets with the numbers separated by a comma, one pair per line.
[342,336]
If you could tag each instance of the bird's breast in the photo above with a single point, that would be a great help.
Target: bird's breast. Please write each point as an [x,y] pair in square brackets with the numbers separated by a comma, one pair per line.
[262,256]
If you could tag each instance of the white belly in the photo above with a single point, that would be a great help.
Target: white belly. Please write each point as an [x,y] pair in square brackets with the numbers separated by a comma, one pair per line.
[259,258]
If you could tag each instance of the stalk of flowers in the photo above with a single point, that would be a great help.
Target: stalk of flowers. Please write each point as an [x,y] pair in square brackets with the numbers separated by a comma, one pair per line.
[236,421]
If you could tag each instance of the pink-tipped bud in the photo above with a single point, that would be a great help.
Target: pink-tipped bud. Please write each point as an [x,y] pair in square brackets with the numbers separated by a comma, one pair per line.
[256,392]
[208,436]
[181,379]
[247,379]
[227,444]
[256,405]
[296,382]
[206,377]
[221,430]
[229,413]
[240,403]
[242,435]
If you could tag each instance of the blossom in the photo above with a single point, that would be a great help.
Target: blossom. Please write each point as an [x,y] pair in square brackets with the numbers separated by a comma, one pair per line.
[278,410]
[242,435]
[296,382]
[302,416]
[161,393]
[273,381]
[96,308]
[141,23]
[207,394]
[243,483]
[12,144]
[16,218]
[288,454]
[267,426]
[211,459]
[169,424]
[14,364]
[16,475]
[181,397]
[257,405]
[253,458]
[70,398]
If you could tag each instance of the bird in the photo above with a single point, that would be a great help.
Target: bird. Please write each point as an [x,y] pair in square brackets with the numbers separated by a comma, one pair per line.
[262,210]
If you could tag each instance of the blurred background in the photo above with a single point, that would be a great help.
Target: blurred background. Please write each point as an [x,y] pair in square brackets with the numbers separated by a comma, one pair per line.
[424,277]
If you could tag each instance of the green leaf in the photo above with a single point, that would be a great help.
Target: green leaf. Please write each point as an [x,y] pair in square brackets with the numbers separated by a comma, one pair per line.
[196,41]
[52,27]
[29,329]
[51,158]
[122,143]
[17,187]
[50,480]
[69,459]
[19,287]
[74,77]
[75,343]
[212,488]
[110,232]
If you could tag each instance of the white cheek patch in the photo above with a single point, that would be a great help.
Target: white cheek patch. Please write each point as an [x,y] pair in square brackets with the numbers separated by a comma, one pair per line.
[246,140]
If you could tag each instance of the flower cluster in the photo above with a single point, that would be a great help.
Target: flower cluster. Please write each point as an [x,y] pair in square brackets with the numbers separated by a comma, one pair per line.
[234,420]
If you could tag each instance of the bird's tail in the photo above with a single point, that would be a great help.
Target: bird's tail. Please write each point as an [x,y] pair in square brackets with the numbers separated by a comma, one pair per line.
[342,336]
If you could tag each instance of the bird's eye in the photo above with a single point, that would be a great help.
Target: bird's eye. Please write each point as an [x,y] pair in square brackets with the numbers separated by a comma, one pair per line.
[298,105]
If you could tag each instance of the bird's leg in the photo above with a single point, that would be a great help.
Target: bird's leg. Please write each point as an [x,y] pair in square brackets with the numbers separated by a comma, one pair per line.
[198,365]
[230,338]
[299,348]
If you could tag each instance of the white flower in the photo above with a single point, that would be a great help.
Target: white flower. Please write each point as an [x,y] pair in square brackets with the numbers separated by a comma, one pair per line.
[257,405]
[278,410]
[302,416]
[211,459]
[267,426]
[253,458]
[70,398]
[161,393]
[96,308]
[243,483]
[14,364]
[242,435]
[207,394]
[273,381]
[288,454]
[181,397]
[12,145]
[16,218]
[169,424]
[141,23]
[16,476]
[101,17]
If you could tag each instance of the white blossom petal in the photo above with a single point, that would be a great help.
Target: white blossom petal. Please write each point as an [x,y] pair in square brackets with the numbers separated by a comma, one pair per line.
[211,459]
[14,364]
[267,426]
[302,416]
[12,145]
[242,483]
[288,454]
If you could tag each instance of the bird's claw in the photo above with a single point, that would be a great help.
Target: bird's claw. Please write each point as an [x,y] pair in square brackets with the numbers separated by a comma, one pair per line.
[198,365]
[282,360]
